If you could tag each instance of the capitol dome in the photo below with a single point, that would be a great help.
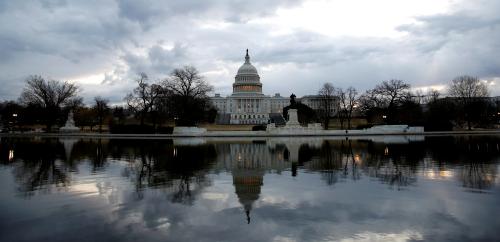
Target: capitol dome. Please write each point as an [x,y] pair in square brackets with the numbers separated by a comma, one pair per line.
[247,68]
[247,79]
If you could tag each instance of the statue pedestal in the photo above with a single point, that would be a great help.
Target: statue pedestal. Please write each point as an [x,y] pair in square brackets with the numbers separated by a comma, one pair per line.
[293,120]
[293,126]
[69,127]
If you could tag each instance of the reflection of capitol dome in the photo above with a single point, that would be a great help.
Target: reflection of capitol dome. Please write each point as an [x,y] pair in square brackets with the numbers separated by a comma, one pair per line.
[247,79]
[248,176]
[248,162]
[247,185]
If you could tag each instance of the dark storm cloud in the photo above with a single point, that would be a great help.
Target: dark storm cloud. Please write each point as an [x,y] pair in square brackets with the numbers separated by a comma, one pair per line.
[448,24]
[48,37]
[149,12]
[117,39]
[66,30]
[461,42]
[310,48]
[159,60]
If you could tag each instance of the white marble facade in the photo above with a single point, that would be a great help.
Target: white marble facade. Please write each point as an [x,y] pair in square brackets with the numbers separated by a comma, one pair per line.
[247,104]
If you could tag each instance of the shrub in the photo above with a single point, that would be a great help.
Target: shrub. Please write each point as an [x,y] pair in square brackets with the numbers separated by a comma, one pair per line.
[259,128]
[138,129]
[364,126]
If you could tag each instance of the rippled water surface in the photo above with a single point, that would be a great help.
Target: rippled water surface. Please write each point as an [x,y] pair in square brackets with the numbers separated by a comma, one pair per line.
[277,189]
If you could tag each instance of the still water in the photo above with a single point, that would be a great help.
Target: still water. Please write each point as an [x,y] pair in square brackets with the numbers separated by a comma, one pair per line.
[441,188]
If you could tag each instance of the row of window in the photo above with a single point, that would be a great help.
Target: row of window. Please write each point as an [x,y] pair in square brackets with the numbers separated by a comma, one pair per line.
[275,105]
[248,89]
[250,116]
[252,122]
[248,78]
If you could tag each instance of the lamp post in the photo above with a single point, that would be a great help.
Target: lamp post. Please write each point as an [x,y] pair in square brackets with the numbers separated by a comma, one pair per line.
[14,118]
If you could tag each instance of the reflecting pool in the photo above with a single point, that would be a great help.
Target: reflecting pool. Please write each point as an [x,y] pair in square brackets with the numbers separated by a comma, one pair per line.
[381,188]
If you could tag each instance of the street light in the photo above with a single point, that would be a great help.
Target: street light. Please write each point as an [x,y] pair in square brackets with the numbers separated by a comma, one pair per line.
[14,122]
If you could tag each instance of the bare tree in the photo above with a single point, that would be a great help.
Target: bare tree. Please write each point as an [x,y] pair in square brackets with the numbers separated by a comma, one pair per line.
[369,101]
[327,94]
[119,114]
[388,96]
[349,104]
[419,97]
[50,95]
[347,99]
[188,92]
[187,82]
[432,96]
[143,97]
[468,89]
[101,110]
[392,92]
[342,111]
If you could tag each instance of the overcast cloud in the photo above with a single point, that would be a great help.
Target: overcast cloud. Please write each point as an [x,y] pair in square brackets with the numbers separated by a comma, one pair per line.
[296,45]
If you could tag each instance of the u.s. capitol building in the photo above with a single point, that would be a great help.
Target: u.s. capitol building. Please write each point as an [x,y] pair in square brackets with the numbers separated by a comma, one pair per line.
[248,105]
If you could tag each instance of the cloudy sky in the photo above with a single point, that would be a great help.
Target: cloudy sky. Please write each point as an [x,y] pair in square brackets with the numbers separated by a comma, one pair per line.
[295,44]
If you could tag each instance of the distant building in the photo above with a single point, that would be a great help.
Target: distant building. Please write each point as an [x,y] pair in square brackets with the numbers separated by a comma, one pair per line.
[248,105]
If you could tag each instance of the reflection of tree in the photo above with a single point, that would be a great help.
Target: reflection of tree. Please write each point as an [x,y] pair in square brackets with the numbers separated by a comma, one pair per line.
[395,174]
[183,194]
[95,150]
[348,158]
[39,165]
[394,164]
[463,149]
[334,160]
[36,175]
[477,175]
[178,170]
[330,164]
[337,160]
[475,157]
[99,158]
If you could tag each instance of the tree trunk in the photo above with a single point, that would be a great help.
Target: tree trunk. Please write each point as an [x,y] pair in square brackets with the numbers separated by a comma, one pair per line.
[341,120]
[142,119]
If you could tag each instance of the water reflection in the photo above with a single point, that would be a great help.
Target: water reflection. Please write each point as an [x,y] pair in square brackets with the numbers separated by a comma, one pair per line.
[43,164]
[161,183]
